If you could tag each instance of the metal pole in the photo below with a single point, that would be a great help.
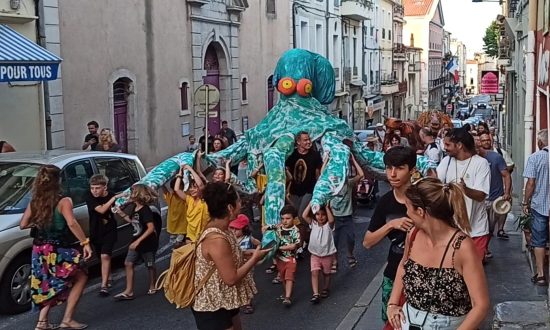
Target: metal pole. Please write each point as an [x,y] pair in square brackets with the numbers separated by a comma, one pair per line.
[206,116]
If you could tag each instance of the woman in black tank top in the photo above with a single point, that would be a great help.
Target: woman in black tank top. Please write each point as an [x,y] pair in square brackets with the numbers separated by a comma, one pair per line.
[440,275]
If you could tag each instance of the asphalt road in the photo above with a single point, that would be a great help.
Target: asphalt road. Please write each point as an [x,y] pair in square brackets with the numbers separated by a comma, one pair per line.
[154,312]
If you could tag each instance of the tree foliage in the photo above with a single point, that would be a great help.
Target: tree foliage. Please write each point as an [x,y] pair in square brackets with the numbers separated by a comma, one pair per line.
[490,40]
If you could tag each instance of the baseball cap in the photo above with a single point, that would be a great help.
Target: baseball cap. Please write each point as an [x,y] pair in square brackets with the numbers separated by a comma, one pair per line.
[240,222]
[379,125]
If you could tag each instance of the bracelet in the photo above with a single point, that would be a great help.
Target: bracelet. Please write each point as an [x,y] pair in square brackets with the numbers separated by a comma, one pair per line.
[525,204]
[179,176]
[85,242]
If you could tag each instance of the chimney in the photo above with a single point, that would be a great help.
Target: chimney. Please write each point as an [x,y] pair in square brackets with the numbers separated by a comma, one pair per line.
[412,40]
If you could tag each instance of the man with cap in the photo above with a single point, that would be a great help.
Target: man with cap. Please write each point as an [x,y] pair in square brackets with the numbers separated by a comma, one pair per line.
[373,143]
[501,185]
[380,133]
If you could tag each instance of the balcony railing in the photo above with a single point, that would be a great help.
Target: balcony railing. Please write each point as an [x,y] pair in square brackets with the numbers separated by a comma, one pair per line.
[399,51]
[434,83]
[355,71]
[415,67]
[356,9]
[398,12]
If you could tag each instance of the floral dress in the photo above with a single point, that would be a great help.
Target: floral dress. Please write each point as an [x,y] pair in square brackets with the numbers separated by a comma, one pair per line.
[54,263]
[215,293]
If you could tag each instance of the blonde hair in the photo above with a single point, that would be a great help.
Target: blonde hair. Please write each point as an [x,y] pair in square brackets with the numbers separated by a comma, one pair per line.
[107,136]
[444,202]
[143,194]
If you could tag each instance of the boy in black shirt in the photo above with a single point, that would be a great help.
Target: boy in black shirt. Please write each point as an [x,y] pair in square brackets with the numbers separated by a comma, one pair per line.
[103,228]
[390,216]
[144,241]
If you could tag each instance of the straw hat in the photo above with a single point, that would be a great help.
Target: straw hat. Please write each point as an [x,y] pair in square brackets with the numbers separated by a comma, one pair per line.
[501,206]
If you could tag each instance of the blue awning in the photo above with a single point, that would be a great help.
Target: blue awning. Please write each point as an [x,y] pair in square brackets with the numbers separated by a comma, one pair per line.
[22,59]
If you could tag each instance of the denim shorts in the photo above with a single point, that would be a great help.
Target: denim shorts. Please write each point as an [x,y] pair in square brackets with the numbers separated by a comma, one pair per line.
[344,228]
[432,321]
[137,258]
[539,230]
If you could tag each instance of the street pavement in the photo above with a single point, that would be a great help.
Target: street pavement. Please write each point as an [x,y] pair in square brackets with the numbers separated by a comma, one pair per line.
[354,302]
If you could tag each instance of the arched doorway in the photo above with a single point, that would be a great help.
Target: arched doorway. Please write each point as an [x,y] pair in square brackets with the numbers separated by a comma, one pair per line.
[212,68]
[120,111]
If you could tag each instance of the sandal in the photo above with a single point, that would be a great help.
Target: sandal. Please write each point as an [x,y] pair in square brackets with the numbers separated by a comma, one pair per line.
[271,269]
[80,326]
[276,280]
[539,280]
[248,309]
[325,293]
[123,296]
[502,235]
[352,262]
[44,325]
[287,302]
[151,292]
[315,299]
[104,292]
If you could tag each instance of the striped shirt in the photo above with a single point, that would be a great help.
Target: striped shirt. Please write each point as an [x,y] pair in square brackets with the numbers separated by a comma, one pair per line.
[537,168]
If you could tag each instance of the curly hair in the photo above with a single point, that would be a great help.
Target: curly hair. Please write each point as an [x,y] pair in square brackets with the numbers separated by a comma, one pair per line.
[46,193]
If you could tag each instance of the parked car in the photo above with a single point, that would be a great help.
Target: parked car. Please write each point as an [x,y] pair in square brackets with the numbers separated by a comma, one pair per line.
[363,134]
[457,123]
[17,174]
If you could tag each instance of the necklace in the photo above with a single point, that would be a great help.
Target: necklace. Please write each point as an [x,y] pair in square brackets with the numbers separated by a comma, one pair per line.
[464,172]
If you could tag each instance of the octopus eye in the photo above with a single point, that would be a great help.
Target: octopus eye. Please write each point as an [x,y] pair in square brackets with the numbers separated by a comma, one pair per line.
[286,86]
[305,87]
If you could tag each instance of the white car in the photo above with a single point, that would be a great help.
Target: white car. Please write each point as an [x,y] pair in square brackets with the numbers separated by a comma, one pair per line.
[17,173]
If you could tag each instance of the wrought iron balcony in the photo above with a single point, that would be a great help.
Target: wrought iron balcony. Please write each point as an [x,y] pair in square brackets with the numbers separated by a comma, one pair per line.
[398,12]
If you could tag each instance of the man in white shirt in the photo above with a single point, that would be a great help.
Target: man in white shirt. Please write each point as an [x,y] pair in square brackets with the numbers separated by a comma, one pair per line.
[472,172]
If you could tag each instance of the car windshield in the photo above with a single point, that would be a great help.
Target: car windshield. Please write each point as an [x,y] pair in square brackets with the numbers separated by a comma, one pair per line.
[15,186]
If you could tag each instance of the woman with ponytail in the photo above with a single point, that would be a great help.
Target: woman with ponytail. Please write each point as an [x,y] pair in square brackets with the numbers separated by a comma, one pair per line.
[56,274]
[440,274]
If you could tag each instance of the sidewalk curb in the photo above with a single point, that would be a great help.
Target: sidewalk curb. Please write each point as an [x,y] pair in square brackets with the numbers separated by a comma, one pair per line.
[363,303]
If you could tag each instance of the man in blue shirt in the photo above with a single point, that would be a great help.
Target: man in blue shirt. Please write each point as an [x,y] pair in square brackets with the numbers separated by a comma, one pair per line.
[501,185]
[535,201]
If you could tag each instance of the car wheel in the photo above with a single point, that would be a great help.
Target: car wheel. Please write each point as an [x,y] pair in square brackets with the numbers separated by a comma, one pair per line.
[15,289]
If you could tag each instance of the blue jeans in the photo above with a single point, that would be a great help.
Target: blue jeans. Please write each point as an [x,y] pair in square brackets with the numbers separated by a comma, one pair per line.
[344,228]
[539,230]
[415,316]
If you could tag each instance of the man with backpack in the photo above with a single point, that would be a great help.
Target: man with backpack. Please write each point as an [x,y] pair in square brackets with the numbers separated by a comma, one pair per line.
[432,148]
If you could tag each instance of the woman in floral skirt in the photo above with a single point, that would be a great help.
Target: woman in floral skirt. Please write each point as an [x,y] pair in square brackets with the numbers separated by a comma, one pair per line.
[56,262]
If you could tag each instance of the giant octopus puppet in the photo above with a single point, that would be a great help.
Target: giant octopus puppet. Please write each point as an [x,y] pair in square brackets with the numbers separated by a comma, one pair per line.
[306,82]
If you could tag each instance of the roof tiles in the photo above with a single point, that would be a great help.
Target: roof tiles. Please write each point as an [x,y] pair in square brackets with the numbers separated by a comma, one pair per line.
[417,7]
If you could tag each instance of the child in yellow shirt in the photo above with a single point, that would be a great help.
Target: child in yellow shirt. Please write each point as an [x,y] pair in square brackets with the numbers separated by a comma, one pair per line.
[176,220]
[197,211]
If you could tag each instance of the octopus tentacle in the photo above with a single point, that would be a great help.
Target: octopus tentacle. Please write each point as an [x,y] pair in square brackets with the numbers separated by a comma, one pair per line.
[334,175]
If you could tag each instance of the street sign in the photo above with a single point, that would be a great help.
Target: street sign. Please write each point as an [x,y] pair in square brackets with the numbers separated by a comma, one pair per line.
[201,97]
[202,114]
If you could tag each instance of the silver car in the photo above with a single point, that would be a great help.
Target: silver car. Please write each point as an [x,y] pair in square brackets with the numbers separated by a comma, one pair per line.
[17,173]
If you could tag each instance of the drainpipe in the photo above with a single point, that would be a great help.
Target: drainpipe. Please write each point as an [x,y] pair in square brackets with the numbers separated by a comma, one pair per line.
[294,24]
[41,29]
[530,79]
[327,21]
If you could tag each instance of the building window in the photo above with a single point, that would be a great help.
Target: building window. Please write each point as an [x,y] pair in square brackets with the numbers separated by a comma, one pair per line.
[389,35]
[383,33]
[319,39]
[270,7]
[184,95]
[244,93]
[354,54]
[304,35]
[372,31]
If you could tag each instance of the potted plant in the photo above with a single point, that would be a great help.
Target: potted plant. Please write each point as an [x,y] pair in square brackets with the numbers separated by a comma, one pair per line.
[523,223]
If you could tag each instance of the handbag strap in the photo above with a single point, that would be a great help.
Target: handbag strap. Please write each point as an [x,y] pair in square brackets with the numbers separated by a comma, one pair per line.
[212,269]
[436,279]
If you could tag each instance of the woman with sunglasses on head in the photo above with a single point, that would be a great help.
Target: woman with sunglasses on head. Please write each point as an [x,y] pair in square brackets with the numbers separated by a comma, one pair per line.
[107,141]
[440,274]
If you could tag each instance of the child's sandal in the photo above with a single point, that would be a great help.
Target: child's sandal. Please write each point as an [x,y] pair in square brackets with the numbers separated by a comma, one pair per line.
[352,262]
[271,269]
[248,309]
[287,302]
[315,299]
[325,293]
[276,280]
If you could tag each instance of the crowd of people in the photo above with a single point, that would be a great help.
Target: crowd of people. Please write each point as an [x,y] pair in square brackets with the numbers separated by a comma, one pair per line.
[439,226]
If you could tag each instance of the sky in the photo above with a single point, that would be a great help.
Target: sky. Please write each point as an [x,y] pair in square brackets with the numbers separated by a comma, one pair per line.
[467,21]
